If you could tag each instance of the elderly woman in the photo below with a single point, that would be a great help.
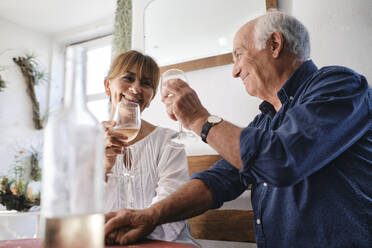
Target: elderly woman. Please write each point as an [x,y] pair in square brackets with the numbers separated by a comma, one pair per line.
[134,77]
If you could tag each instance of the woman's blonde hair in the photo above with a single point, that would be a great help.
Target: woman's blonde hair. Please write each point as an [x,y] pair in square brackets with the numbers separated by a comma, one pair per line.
[146,67]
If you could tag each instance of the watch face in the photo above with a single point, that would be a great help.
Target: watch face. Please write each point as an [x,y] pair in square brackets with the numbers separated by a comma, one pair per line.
[214,119]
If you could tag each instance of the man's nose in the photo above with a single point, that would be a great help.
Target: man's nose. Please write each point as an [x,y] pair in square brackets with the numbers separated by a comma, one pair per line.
[236,70]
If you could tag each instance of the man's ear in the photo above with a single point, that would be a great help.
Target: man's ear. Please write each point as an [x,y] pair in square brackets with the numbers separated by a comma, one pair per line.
[107,87]
[276,43]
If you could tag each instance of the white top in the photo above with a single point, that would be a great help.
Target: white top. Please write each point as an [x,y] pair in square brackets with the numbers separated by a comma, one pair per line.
[161,169]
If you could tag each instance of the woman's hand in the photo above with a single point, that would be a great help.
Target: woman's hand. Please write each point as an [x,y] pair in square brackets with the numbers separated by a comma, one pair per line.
[114,142]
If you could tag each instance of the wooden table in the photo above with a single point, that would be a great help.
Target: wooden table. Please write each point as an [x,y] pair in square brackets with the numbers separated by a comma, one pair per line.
[37,243]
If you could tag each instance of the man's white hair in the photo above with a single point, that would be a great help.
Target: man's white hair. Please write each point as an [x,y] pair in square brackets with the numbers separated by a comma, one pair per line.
[295,34]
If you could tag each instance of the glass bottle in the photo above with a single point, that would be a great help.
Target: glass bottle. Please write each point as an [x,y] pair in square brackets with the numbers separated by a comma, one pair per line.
[73,174]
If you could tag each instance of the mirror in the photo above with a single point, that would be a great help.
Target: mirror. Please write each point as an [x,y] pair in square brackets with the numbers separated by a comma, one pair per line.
[177,30]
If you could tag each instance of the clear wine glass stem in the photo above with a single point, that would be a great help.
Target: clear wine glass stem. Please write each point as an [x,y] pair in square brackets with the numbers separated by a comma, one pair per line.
[180,128]
[128,176]
[127,165]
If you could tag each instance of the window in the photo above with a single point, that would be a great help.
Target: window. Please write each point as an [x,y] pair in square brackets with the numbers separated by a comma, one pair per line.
[98,54]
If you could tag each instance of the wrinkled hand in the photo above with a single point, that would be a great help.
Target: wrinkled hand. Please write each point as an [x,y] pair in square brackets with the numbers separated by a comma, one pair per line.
[127,226]
[114,237]
[182,103]
[114,142]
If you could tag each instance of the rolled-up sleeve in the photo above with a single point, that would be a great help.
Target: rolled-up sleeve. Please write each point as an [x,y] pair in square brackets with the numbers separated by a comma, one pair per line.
[223,180]
[324,121]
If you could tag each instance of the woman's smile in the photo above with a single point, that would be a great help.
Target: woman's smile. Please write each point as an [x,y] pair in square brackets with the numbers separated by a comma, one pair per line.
[125,97]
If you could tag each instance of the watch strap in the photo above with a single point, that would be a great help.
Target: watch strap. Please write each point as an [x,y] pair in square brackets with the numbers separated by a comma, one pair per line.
[205,130]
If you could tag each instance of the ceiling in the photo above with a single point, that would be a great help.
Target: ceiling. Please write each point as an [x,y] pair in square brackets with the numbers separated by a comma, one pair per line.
[56,16]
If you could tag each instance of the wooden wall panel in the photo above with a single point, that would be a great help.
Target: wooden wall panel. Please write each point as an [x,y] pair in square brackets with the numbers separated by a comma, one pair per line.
[223,225]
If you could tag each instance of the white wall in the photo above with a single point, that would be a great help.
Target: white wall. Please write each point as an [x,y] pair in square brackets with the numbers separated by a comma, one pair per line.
[340,31]
[16,125]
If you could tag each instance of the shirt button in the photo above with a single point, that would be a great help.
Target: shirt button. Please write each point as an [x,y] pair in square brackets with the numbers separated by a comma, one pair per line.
[291,98]
[258,221]
[265,184]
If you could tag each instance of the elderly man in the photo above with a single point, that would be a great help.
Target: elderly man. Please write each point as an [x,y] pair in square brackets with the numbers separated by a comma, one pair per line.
[308,155]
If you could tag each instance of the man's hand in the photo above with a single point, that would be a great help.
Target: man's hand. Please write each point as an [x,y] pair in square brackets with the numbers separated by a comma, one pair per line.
[183,104]
[127,226]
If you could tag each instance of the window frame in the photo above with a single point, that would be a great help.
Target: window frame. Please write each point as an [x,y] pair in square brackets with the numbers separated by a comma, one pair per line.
[88,45]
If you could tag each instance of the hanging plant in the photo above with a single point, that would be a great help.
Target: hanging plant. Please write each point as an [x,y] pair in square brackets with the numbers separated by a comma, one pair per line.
[33,76]
[122,34]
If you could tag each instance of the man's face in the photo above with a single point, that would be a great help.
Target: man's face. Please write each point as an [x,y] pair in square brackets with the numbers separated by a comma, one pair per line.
[250,64]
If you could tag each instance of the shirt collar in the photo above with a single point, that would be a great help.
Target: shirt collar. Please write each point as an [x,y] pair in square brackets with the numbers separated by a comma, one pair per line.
[293,83]
[267,108]
[290,86]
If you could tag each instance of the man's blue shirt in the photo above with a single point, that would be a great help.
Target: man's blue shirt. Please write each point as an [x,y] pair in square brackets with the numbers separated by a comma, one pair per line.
[309,164]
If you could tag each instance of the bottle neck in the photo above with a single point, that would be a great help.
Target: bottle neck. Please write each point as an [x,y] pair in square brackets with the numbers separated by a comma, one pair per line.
[75,78]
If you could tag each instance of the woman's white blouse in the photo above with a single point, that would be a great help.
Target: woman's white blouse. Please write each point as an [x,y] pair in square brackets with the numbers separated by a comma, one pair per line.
[161,168]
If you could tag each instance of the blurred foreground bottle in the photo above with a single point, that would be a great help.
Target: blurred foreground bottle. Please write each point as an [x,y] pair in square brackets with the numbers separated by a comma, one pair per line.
[73,175]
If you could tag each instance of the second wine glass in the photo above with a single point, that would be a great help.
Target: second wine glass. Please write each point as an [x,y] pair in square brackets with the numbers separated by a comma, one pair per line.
[181,135]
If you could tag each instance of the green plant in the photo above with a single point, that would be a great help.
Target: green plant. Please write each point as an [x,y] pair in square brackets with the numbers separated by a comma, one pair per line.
[13,195]
[39,76]
[14,190]
[33,76]
[35,174]
[123,27]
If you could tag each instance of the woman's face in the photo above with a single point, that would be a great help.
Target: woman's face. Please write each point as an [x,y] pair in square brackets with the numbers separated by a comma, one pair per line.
[130,87]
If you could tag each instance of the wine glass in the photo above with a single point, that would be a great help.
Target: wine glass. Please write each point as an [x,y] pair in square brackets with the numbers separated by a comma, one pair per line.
[128,119]
[128,122]
[181,135]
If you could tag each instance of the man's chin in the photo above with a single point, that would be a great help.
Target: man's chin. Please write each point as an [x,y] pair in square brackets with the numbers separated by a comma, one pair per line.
[249,91]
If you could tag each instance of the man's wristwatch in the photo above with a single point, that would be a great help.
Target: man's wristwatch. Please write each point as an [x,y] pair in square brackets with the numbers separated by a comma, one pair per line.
[212,121]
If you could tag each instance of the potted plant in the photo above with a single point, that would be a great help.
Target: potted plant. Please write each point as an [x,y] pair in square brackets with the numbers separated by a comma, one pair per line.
[15,190]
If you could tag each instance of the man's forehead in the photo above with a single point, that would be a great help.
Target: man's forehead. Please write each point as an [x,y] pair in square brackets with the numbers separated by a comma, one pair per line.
[239,43]
[237,40]
[244,34]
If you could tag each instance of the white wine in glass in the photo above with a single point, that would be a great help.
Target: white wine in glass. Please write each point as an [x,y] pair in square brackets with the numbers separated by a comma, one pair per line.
[130,132]
[128,119]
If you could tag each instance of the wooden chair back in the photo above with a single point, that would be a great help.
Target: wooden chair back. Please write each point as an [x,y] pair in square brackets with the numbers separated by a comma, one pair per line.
[217,224]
